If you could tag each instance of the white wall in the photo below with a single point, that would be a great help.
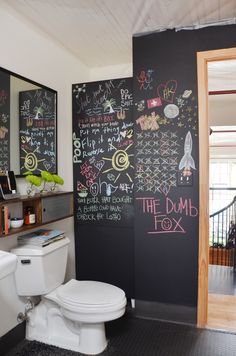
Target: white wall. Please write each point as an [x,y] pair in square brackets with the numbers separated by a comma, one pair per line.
[31,54]
[111,72]
[222,109]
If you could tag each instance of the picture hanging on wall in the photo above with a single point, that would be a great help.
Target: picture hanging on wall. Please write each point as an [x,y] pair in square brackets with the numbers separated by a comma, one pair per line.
[4,121]
[37,131]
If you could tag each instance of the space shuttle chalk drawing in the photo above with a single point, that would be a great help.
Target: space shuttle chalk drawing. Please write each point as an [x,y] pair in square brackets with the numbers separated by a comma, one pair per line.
[187,161]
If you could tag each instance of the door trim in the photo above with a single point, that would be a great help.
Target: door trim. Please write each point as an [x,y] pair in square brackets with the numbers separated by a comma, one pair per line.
[203,253]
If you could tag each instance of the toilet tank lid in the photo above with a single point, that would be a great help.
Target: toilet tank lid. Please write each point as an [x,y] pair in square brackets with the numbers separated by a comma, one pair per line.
[7,263]
[33,250]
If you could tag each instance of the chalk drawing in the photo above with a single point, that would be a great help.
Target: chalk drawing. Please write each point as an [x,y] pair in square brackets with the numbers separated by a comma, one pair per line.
[187,161]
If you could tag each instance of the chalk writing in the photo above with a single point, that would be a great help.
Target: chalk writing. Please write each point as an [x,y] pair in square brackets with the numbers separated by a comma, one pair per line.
[169,218]
[167,91]
[165,129]
[103,151]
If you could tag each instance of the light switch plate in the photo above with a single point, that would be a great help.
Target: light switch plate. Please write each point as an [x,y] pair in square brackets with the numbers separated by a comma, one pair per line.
[184,181]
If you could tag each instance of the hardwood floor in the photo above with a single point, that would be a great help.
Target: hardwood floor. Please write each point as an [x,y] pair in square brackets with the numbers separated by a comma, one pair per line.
[222,312]
[221,280]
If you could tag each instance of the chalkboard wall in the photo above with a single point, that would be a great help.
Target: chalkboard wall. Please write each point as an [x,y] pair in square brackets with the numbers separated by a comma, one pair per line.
[166,166]
[103,152]
[103,158]
[4,121]
[155,249]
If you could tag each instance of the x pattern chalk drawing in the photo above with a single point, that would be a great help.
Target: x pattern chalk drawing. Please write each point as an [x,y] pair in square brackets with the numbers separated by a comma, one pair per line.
[158,140]
[153,172]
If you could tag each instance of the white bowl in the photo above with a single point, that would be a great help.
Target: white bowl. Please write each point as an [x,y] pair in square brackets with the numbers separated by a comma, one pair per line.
[16,222]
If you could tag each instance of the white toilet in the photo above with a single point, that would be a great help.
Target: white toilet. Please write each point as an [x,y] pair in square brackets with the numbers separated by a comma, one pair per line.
[8,297]
[72,315]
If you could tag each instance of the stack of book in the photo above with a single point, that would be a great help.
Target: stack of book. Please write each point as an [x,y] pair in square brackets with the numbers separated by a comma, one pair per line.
[5,218]
[41,237]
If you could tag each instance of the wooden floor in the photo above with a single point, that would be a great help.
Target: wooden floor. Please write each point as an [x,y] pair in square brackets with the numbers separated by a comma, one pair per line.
[222,312]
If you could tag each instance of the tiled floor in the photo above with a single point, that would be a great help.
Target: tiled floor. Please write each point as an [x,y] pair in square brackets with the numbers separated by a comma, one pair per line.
[131,336]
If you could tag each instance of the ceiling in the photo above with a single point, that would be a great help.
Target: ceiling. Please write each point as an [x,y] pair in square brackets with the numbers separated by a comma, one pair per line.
[99,32]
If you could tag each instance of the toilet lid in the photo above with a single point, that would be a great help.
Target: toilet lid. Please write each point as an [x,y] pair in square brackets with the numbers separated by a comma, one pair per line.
[90,293]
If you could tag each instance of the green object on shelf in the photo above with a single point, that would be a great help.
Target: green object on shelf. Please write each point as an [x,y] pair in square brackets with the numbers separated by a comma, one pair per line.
[33,181]
[46,178]
[55,179]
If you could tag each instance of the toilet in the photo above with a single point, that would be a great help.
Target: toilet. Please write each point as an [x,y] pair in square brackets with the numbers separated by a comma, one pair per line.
[70,315]
[8,298]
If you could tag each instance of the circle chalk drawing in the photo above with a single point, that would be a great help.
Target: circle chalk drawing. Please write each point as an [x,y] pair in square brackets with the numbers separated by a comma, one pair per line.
[31,162]
[120,160]
[171,111]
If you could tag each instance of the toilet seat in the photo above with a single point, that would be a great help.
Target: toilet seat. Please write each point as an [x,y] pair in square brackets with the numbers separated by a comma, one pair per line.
[90,295]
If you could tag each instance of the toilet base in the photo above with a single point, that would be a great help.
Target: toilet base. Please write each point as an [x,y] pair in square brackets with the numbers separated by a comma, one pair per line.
[49,326]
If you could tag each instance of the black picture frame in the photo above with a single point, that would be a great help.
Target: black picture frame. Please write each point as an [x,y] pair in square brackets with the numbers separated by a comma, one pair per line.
[37,126]
[18,173]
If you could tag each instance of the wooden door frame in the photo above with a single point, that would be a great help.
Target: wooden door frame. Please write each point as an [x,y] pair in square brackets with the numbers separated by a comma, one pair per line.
[203,254]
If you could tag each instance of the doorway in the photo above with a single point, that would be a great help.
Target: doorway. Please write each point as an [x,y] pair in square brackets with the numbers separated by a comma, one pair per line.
[203,59]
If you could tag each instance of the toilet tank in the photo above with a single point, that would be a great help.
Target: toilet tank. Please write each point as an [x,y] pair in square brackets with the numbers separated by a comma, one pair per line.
[39,269]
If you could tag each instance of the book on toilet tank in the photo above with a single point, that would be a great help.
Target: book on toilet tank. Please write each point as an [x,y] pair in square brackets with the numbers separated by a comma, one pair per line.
[40,237]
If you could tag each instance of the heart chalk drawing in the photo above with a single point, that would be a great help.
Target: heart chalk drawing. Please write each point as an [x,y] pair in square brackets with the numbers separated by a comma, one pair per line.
[165,188]
[47,165]
[123,133]
[99,164]
[167,91]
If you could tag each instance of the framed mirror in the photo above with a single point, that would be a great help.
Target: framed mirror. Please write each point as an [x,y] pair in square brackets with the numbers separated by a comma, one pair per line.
[28,125]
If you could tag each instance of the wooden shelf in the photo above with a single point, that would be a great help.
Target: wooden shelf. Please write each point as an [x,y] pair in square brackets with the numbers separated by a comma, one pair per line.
[49,208]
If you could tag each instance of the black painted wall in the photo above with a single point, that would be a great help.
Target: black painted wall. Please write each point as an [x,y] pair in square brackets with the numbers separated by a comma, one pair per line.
[166,199]
[103,181]
[155,259]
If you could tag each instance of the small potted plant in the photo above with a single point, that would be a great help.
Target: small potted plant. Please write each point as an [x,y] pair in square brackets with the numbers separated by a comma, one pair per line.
[34,181]
[57,180]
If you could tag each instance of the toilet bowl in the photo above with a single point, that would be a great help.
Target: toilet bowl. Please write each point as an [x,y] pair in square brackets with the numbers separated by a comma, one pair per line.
[73,316]
[70,315]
